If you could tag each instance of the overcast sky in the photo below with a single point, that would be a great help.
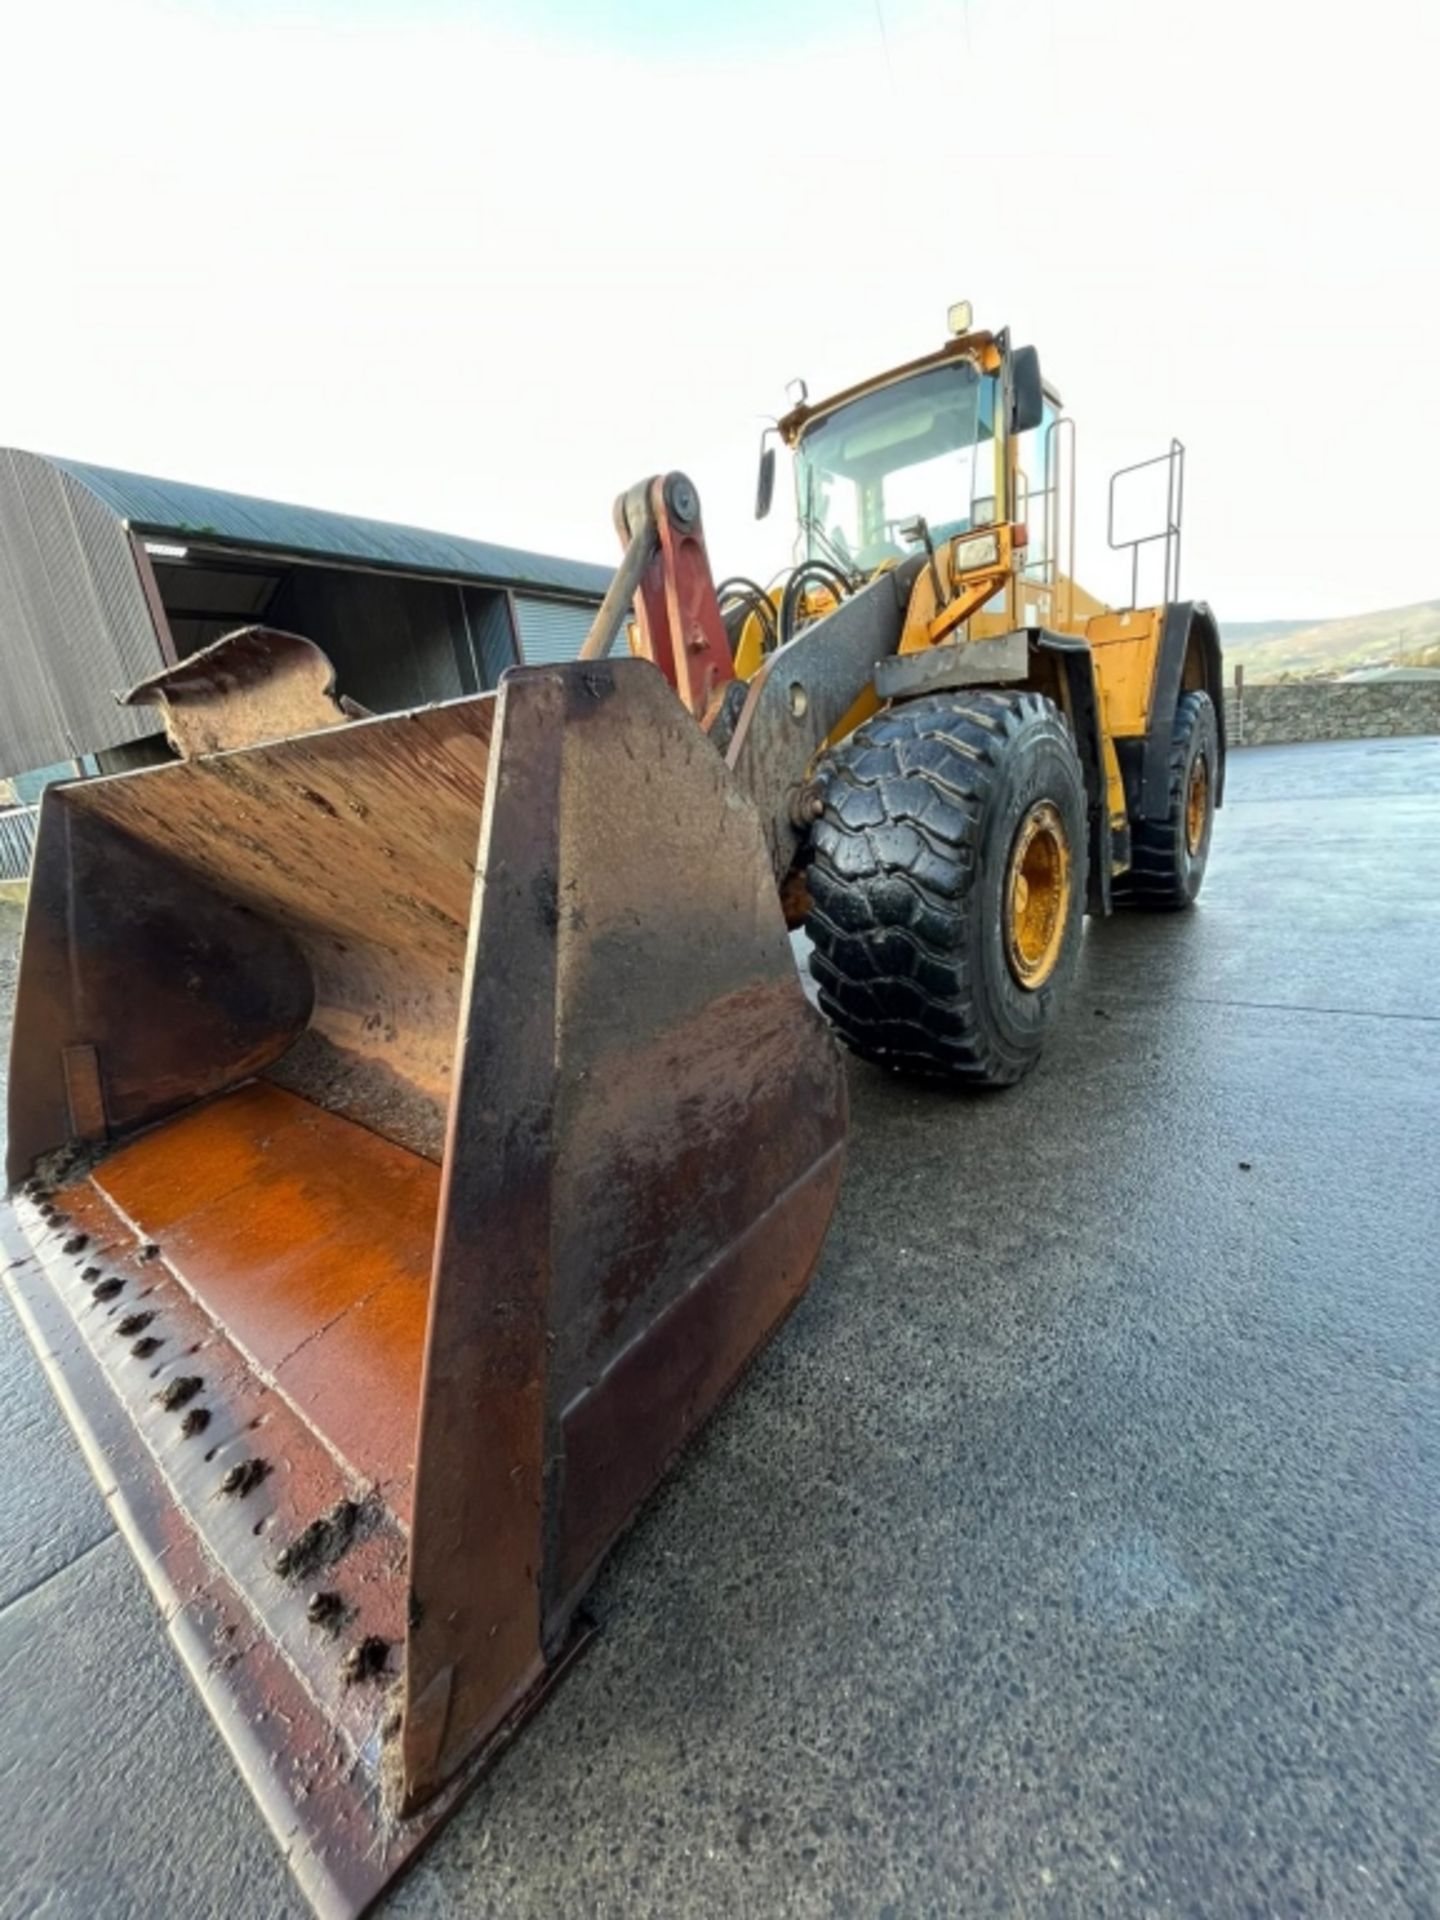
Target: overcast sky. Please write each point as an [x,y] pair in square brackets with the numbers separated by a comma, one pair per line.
[478,267]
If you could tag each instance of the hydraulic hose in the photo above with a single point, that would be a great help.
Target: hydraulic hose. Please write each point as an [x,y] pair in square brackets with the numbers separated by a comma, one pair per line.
[809,572]
[747,596]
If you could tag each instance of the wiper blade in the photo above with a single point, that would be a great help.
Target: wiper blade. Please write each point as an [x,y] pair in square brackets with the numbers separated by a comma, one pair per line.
[810,525]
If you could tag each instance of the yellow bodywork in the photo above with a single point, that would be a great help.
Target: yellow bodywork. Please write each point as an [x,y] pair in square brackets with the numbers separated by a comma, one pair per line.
[1125,647]
[990,601]
[750,646]
[984,602]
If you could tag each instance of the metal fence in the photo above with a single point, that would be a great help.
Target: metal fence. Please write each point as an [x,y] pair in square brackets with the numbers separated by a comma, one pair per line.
[17,841]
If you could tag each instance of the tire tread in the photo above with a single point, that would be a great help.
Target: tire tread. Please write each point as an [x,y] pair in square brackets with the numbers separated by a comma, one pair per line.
[1154,878]
[894,859]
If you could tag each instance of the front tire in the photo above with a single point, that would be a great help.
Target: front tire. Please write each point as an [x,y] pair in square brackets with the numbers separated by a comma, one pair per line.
[1168,856]
[947,881]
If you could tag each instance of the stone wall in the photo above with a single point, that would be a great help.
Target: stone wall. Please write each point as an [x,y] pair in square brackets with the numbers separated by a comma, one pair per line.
[1265,716]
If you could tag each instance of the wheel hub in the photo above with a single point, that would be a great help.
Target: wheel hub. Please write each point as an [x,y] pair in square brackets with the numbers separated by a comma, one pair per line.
[1197,805]
[1037,895]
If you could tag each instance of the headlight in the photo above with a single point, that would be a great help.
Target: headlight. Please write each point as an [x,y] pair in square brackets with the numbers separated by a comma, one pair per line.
[983,551]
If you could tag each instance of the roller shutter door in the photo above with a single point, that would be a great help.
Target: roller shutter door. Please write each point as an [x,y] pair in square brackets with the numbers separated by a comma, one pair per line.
[551,629]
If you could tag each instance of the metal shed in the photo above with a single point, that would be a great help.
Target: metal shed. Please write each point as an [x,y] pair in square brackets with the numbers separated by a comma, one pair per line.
[107,576]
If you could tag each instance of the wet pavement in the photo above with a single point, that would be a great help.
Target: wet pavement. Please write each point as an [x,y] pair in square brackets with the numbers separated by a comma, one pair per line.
[1075,1548]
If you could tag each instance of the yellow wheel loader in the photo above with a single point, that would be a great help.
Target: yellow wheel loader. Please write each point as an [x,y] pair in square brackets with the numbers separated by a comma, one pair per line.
[416,1122]
[1019,754]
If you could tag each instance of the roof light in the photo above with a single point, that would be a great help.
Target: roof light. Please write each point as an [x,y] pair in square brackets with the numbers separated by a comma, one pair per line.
[797,393]
[163,550]
[959,317]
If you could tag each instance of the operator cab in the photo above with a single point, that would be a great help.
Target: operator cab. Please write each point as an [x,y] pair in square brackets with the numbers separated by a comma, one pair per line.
[921,447]
[923,450]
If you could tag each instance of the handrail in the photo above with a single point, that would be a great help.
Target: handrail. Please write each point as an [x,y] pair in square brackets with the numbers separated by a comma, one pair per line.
[1174,506]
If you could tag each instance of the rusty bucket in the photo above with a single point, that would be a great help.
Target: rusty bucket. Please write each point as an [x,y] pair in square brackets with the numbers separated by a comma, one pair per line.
[416,1124]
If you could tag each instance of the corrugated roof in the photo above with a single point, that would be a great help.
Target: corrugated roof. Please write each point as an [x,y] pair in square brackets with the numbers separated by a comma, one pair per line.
[237,519]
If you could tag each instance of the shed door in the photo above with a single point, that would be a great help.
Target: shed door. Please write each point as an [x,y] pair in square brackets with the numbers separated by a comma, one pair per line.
[551,629]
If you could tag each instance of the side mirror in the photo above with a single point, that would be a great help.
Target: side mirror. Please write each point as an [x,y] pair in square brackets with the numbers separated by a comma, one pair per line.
[1027,396]
[765,483]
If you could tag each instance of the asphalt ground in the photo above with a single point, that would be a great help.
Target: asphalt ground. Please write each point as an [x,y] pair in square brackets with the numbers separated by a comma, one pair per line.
[1075,1549]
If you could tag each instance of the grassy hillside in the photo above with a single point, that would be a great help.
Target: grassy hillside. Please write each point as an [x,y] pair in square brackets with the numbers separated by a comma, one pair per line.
[1301,649]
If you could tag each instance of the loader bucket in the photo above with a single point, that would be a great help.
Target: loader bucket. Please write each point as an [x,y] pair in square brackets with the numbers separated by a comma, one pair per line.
[417,1123]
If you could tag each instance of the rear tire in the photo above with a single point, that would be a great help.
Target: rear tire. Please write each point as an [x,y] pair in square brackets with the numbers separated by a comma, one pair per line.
[1168,856]
[947,881]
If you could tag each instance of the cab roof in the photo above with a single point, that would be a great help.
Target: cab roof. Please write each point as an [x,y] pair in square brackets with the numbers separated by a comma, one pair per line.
[987,348]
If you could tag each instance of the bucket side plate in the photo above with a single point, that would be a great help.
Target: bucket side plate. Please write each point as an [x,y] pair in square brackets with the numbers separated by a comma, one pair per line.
[646,1140]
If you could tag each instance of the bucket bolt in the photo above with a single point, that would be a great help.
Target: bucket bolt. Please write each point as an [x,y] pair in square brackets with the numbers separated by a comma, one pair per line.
[244,1476]
[177,1392]
[322,1542]
[366,1660]
[807,803]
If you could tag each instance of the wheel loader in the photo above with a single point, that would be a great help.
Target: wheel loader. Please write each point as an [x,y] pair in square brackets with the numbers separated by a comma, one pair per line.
[417,1121]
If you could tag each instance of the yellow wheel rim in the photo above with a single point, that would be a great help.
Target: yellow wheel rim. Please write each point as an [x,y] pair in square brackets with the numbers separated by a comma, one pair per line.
[1037,896]
[1197,805]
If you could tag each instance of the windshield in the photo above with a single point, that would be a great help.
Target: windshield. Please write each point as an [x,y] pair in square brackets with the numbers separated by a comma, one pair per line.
[925,445]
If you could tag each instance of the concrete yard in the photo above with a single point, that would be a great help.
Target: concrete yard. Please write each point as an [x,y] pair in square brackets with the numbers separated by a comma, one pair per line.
[1075,1548]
